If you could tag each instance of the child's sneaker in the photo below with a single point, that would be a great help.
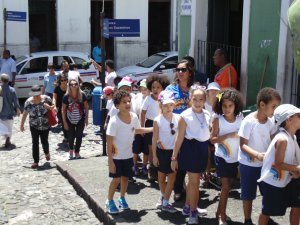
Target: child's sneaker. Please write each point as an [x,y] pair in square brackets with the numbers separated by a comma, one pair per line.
[186,210]
[135,170]
[111,207]
[71,154]
[77,155]
[159,202]
[145,170]
[168,208]
[122,203]
[193,219]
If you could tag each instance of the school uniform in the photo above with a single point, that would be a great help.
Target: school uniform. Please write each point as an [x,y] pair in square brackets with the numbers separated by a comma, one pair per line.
[226,153]
[194,149]
[151,106]
[274,184]
[259,138]
[123,135]
[166,141]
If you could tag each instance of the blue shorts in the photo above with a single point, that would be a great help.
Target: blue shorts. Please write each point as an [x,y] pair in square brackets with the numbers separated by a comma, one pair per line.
[225,169]
[274,201]
[193,156]
[123,168]
[139,145]
[293,192]
[148,136]
[164,159]
[249,177]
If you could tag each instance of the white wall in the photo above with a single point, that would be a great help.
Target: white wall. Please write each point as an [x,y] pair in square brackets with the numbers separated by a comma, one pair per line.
[17,37]
[73,25]
[136,47]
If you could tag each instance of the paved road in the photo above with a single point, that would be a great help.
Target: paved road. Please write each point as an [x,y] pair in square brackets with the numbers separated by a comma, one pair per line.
[40,196]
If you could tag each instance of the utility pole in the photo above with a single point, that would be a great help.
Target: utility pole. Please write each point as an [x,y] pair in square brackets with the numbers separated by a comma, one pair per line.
[102,76]
[4,18]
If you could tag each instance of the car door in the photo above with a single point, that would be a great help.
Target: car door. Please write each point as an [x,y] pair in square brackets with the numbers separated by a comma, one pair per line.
[167,67]
[30,74]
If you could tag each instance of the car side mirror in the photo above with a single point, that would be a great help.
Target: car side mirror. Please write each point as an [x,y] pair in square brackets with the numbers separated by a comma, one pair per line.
[162,67]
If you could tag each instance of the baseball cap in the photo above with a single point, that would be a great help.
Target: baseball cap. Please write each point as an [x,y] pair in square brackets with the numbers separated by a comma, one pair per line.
[166,97]
[126,81]
[143,83]
[35,90]
[284,111]
[213,86]
[107,91]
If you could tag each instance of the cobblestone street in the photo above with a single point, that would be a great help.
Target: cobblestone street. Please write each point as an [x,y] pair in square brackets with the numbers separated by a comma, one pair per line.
[41,196]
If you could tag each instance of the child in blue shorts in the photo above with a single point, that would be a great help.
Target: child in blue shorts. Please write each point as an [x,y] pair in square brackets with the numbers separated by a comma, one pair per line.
[278,188]
[120,134]
[228,107]
[165,128]
[191,148]
[255,136]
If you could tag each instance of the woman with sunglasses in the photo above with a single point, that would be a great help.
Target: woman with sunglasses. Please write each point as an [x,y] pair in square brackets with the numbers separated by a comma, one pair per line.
[75,110]
[58,94]
[183,81]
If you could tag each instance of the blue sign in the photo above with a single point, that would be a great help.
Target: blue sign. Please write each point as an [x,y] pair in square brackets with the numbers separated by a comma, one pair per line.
[121,28]
[16,16]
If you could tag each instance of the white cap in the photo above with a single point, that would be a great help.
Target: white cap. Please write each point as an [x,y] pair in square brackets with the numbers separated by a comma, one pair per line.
[166,97]
[284,111]
[213,86]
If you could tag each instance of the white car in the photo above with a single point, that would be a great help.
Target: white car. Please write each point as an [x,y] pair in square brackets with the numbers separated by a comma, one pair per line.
[32,68]
[162,63]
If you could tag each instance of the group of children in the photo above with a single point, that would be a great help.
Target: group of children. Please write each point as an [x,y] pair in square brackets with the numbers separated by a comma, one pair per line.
[263,152]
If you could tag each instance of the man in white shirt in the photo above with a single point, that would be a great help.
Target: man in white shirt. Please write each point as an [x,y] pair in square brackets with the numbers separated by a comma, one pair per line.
[8,66]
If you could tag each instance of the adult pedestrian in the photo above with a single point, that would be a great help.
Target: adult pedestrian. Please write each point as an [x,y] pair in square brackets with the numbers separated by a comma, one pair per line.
[8,66]
[58,94]
[50,80]
[110,73]
[75,110]
[10,106]
[37,107]
[71,74]
[183,81]
[227,75]
[97,53]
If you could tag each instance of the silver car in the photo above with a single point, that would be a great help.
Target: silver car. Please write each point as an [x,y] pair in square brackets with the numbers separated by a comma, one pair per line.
[32,68]
[162,63]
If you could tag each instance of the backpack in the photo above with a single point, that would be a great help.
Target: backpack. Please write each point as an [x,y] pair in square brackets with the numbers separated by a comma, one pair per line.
[75,111]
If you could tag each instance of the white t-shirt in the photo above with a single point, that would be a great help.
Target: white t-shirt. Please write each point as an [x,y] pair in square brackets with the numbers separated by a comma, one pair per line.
[166,140]
[123,135]
[8,66]
[272,175]
[109,105]
[229,148]
[109,78]
[152,107]
[258,136]
[114,111]
[139,99]
[197,124]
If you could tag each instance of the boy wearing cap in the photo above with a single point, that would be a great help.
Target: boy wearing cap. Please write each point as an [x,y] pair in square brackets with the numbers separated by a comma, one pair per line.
[280,166]
[108,93]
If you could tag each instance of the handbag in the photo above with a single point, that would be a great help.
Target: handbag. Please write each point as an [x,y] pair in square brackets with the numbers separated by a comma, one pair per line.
[52,117]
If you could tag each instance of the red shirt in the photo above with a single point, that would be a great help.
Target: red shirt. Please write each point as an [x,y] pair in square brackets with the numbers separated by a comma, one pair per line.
[223,75]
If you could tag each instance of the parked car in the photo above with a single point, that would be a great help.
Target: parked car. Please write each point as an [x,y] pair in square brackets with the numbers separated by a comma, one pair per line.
[32,68]
[162,63]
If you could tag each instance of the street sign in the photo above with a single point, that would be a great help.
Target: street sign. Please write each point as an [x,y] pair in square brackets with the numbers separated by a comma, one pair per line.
[16,16]
[121,28]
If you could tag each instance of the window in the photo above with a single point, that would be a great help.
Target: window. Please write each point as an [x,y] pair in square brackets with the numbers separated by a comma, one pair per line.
[151,61]
[57,60]
[169,63]
[78,61]
[36,65]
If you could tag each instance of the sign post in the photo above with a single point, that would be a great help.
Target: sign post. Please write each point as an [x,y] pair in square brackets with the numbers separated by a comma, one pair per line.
[121,28]
[4,32]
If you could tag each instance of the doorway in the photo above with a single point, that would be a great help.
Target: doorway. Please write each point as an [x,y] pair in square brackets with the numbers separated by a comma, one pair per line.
[42,25]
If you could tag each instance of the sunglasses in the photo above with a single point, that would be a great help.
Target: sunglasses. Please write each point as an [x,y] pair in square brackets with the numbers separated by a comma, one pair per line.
[172,130]
[182,70]
[74,84]
[62,80]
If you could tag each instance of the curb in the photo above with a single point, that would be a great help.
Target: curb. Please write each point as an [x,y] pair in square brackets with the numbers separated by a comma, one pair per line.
[85,191]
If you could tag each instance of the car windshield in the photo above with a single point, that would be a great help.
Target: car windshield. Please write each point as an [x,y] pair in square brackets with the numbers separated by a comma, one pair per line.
[21,58]
[152,60]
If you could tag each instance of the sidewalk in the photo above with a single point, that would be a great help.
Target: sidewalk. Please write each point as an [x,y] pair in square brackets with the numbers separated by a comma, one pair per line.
[90,179]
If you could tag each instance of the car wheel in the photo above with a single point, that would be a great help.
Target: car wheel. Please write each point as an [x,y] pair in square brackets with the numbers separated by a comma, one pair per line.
[87,89]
